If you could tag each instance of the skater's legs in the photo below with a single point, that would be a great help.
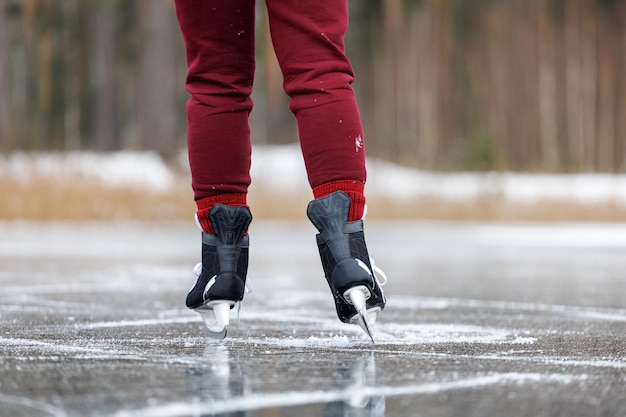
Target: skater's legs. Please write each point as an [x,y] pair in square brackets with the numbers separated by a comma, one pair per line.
[308,38]
[309,41]
[219,41]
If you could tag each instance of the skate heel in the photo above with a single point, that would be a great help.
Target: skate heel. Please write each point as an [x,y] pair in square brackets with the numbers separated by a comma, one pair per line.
[216,317]
[364,318]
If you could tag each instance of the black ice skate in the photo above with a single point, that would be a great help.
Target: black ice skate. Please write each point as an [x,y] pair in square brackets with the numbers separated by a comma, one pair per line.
[222,273]
[358,296]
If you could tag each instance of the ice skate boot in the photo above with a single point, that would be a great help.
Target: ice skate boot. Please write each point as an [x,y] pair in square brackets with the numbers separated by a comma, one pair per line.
[222,274]
[359,299]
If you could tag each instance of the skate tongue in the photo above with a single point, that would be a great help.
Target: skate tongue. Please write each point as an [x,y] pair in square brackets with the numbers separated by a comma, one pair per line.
[356,296]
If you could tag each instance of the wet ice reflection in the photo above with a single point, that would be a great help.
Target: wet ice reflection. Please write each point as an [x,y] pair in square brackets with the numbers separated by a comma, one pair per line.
[220,386]
[218,377]
[358,378]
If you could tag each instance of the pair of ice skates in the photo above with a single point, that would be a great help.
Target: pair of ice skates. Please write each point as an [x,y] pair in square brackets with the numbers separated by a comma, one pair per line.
[347,266]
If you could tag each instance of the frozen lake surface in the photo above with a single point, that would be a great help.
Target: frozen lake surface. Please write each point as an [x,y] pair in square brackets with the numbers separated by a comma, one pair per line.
[482,320]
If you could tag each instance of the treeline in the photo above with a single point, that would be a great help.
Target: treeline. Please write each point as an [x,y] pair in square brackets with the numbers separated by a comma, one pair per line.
[90,74]
[531,85]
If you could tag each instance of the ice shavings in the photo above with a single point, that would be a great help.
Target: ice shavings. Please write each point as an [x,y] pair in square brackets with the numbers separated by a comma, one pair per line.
[568,361]
[138,323]
[395,333]
[386,333]
[596,313]
[63,351]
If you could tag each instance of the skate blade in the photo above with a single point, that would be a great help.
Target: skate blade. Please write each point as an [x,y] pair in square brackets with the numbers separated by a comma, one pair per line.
[216,317]
[364,318]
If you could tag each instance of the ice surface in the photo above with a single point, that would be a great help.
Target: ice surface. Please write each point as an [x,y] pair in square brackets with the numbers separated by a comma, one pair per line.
[478,322]
[348,395]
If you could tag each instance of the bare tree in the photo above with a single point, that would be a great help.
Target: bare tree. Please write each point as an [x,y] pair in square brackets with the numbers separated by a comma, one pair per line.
[442,84]
[159,83]
[4,66]
[105,126]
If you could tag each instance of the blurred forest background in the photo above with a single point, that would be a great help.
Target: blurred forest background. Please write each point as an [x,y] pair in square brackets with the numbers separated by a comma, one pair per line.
[517,85]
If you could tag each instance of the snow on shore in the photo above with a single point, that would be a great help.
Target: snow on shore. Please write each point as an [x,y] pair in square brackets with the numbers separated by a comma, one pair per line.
[281,168]
[386,179]
[136,170]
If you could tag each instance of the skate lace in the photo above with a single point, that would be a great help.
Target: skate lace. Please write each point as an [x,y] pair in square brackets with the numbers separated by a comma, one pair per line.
[379,274]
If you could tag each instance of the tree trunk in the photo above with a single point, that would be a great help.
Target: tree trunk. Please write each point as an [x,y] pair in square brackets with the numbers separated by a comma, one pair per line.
[158,113]
[4,93]
[105,123]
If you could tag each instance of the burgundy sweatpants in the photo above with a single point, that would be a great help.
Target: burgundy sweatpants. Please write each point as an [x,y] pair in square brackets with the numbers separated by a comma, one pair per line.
[308,38]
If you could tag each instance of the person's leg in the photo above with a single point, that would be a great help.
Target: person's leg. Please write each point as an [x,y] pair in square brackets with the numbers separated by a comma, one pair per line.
[308,38]
[219,41]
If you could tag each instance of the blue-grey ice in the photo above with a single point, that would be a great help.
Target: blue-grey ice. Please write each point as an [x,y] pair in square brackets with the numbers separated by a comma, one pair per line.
[481,320]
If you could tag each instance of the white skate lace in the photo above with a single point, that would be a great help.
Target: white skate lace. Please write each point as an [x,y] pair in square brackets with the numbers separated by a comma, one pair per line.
[379,274]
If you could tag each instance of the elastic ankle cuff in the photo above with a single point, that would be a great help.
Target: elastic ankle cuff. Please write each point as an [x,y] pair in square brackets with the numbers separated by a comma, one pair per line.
[353,189]
[206,204]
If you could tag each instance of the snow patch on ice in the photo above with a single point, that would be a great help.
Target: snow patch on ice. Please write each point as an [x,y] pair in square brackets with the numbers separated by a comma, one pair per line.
[386,333]
[137,323]
[564,361]
[446,333]
[596,313]
[63,351]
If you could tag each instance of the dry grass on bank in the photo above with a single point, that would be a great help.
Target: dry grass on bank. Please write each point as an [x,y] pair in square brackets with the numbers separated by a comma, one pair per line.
[499,210]
[46,199]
